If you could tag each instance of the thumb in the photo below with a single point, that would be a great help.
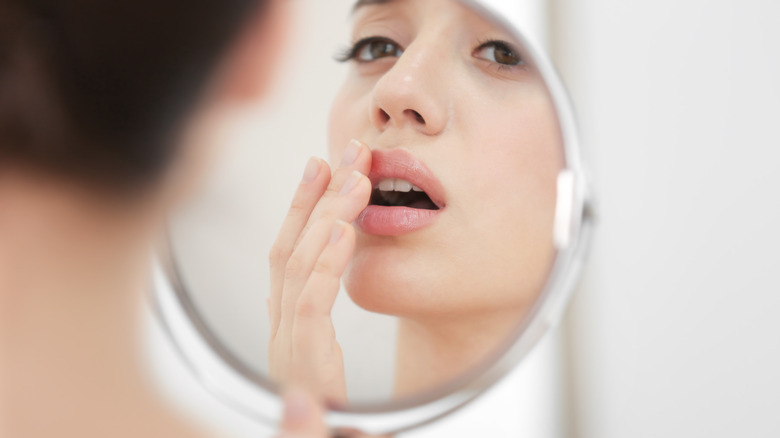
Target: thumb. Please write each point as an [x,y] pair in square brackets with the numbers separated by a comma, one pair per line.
[303,416]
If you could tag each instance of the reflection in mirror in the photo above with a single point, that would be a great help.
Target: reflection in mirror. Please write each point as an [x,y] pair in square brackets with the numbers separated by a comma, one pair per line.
[444,150]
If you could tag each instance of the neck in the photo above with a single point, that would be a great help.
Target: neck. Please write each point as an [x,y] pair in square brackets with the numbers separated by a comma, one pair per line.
[431,352]
[71,272]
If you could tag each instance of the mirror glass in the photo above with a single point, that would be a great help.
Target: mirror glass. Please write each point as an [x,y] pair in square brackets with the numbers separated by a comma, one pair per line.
[454,242]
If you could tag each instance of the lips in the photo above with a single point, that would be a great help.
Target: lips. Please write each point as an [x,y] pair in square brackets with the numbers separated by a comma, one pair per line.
[406,196]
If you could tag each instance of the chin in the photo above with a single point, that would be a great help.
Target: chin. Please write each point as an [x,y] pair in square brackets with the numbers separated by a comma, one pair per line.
[378,290]
[416,284]
[387,281]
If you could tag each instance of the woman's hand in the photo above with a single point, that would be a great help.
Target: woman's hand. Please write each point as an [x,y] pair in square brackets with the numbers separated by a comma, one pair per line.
[303,417]
[307,261]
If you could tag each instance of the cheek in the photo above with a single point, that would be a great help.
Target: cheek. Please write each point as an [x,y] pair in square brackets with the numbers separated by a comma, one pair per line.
[516,159]
[518,153]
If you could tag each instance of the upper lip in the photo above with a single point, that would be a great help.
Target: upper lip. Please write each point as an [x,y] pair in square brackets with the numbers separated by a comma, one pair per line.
[402,164]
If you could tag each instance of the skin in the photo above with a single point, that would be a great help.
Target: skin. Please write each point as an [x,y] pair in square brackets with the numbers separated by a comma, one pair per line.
[462,284]
[74,268]
[303,416]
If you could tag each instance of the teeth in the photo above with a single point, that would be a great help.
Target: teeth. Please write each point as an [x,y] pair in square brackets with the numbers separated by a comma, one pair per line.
[403,186]
[387,185]
[397,185]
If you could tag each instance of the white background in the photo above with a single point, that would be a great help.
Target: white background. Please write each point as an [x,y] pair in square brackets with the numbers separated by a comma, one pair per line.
[676,330]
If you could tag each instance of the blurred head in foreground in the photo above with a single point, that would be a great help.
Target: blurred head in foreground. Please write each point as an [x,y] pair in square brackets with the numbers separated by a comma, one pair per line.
[113,97]
[104,105]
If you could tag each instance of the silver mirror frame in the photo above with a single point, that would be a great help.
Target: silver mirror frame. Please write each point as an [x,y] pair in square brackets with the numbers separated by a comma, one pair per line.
[235,384]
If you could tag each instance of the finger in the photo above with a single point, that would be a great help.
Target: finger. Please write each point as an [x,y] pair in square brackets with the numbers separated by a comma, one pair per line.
[303,416]
[357,157]
[311,335]
[320,291]
[315,180]
[302,261]
[299,267]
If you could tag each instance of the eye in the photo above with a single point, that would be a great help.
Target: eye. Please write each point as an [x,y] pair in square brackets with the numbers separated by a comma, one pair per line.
[371,49]
[498,52]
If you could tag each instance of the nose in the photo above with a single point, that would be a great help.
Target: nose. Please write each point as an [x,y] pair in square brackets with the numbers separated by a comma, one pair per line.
[411,94]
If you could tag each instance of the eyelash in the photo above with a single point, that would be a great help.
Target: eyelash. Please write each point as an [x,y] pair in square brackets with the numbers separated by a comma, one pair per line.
[498,44]
[350,53]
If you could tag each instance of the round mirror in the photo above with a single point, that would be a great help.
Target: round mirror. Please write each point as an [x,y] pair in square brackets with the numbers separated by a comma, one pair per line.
[449,151]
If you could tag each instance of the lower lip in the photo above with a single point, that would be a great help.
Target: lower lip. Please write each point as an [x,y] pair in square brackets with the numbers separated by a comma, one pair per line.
[394,221]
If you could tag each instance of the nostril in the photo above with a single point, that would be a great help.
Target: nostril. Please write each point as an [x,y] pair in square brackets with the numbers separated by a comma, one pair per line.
[417,116]
[383,117]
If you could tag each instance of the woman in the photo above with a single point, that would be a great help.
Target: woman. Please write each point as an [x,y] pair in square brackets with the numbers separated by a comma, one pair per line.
[103,109]
[451,190]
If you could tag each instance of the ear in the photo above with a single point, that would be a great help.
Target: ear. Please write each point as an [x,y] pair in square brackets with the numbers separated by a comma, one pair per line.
[248,69]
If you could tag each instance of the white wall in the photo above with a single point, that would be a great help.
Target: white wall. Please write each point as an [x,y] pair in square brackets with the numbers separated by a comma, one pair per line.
[675,332]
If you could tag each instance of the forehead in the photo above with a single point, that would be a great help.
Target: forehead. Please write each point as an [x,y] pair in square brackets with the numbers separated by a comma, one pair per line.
[454,12]
[361,3]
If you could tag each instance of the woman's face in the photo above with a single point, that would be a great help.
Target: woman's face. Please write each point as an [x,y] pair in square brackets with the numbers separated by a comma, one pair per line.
[446,102]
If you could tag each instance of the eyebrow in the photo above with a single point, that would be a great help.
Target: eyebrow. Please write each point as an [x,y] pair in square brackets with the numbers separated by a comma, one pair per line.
[362,3]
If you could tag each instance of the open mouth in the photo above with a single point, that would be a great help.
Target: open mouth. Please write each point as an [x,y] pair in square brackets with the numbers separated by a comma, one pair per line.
[396,192]
[406,197]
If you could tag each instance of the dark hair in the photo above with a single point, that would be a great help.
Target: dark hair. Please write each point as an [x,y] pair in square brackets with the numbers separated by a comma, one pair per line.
[93,89]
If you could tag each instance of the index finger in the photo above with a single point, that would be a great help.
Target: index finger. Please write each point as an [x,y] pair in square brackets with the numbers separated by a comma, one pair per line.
[357,157]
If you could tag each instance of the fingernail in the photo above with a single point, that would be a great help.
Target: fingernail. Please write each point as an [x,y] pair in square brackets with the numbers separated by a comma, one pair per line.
[311,171]
[351,183]
[338,231]
[297,408]
[350,153]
